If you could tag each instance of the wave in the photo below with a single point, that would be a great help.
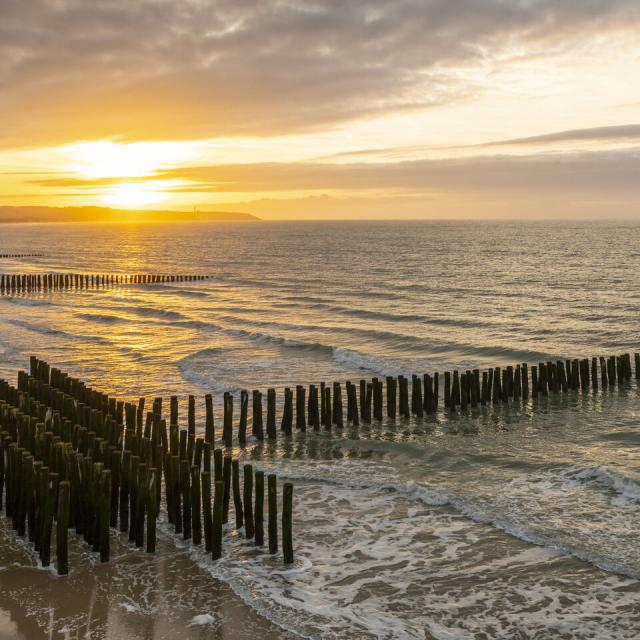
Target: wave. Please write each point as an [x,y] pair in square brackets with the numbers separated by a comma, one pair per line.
[28,302]
[153,312]
[438,497]
[625,486]
[102,318]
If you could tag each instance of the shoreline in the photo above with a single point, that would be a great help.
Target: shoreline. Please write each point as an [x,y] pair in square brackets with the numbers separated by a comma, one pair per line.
[137,596]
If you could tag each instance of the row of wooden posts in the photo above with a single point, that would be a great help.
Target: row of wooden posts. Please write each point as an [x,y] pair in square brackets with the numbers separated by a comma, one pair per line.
[83,466]
[321,406]
[27,282]
[21,255]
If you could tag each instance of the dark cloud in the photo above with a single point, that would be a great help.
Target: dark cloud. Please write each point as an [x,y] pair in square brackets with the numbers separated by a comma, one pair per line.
[73,69]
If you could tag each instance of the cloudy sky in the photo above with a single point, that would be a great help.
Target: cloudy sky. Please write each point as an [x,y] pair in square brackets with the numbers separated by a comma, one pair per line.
[324,108]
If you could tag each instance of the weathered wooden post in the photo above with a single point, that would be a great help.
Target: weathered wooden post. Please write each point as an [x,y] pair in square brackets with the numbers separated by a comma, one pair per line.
[259,509]
[216,542]
[227,429]
[209,433]
[207,515]
[273,512]
[287,521]
[301,424]
[196,499]
[226,477]
[248,501]
[237,498]
[242,428]
[62,526]
[271,414]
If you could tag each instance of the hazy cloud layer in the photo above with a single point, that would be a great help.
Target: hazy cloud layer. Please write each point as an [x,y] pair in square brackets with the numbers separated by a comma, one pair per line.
[72,69]
[611,173]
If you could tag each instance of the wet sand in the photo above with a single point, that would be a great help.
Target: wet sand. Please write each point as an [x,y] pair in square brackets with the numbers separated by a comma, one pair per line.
[135,596]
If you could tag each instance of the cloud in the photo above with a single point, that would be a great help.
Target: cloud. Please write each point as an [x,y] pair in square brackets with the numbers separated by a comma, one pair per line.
[72,69]
[611,171]
[627,132]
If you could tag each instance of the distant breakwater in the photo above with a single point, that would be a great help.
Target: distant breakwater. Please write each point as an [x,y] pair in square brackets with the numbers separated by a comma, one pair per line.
[21,283]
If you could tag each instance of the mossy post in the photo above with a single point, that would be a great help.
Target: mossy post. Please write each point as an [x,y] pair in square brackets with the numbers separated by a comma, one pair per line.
[62,528]
[216,538]
[272,497]
[259,509]
[248,501]
[287,522]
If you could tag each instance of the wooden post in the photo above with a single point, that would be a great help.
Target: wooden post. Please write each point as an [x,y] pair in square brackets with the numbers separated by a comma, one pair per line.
[287,521]
[216,542]
[226,478]
[287,412]
[337,406]
[205,478]
[104,515]
[301,424]
[273,512]
[209,433]
[62,526]
[391,397]
[227,429]
[242,428]
[185,477]
[152,507]
[271,414]
[258,427]
[248,501]
[196,520]
[237,498]
[259,509]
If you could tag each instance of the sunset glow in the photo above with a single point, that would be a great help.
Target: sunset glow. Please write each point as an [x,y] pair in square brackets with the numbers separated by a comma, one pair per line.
[393,109]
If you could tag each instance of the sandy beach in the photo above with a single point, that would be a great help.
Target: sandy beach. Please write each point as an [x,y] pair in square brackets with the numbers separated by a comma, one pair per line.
[136,595]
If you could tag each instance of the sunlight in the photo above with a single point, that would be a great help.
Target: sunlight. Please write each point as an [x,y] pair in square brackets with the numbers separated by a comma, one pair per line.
[106,159]
[133,195]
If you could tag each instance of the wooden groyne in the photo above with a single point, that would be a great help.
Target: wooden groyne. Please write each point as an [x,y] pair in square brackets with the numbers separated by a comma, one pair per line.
[21,255]
[80,459]
[328,406]
[19,283]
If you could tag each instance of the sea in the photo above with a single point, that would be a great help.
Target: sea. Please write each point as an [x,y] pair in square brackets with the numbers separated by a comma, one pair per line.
[509,522]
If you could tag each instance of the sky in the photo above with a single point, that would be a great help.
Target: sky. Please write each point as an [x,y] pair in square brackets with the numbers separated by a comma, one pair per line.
[324,109]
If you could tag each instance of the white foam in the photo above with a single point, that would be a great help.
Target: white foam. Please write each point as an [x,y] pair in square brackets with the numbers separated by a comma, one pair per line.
[202,619]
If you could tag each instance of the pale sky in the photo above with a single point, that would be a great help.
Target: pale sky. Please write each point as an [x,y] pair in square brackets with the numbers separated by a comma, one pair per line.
[323,109]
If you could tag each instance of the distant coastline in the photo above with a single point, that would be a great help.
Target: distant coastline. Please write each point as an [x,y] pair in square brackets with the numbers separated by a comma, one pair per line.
[34,214]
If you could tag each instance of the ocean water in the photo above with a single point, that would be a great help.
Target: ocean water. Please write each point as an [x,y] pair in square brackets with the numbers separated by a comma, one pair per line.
[507,522]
